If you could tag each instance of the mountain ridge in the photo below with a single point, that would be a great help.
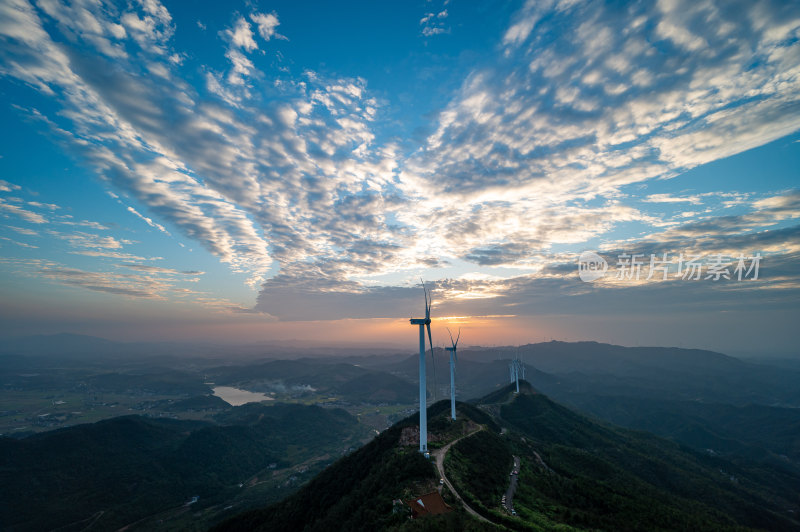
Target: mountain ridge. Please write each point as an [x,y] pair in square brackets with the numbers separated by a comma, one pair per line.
[576,473]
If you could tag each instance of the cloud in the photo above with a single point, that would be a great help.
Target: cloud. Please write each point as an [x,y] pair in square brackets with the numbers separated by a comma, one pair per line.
[553,285]
[433,23]
[88,240]
[267,24]
[84,223]
[78,21]
[24,231]
[289,302]
[112,255]
[148,221]
[667,198]
[110,107]
[148,283]
[431,31]
[587,103]
[151,28]
[5,186]
[17,243]
[48,206]
[159,269]
[241,35]
[298,183]
[767,213]
[588,99]
[234,88]
[28,216]
[134,286]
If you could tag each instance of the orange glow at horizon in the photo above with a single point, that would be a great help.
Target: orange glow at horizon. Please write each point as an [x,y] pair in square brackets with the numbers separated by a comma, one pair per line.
[395,332]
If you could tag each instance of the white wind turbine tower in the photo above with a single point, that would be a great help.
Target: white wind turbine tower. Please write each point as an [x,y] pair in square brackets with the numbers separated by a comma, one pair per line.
[423,411]
[453,360]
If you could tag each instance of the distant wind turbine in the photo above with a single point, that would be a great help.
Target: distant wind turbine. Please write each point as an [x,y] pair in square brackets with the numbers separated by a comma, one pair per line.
[423,412]
[453,360]
[514,368]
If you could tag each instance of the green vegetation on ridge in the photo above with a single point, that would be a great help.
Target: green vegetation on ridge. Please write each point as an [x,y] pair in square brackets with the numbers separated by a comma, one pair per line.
[617,479]
[479,467]
[355,493]
[576,474]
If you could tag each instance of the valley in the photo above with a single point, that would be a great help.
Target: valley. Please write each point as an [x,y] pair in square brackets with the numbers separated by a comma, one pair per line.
[190,459]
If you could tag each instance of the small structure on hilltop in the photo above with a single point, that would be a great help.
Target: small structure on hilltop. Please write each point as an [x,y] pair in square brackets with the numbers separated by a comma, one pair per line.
[428,504]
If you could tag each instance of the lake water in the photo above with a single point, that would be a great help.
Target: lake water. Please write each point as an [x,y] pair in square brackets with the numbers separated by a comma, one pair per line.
[237,397]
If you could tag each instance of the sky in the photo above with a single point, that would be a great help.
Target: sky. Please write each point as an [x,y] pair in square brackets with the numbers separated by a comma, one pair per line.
[289,171]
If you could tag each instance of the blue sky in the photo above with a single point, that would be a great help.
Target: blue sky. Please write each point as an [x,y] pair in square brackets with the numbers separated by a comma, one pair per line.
[289,170]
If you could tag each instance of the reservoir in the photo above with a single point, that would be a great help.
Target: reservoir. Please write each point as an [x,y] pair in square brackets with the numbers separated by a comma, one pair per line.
[237,397]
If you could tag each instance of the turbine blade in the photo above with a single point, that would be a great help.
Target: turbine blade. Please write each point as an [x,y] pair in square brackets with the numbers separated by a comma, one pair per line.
[451,337]
[430,339]
[457,337]
[427,299]
[421,282]
[428,303]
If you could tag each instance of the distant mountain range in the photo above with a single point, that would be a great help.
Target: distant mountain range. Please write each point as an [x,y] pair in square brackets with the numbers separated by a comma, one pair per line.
[561,369]
[83,348]
[558,368]
[702,399]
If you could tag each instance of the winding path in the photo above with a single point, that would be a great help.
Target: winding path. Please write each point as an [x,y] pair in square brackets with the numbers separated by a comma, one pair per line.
[512,485]
[439,455]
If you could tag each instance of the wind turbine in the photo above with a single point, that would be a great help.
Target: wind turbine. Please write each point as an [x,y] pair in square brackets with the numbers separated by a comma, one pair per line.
[514,370]
[453,360]
[423,410]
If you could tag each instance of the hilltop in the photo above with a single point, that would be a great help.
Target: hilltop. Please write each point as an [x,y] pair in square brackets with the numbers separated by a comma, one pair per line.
[575,474]
[357,492]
